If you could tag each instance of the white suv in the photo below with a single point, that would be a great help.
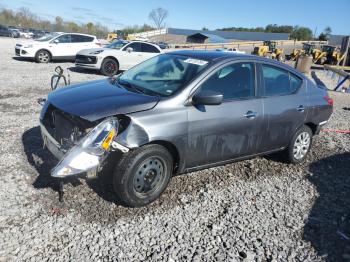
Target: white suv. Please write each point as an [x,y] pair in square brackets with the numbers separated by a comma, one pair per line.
[119,55]
[56,46]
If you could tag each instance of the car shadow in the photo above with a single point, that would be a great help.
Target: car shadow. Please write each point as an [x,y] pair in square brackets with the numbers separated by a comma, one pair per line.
[84,71]
[43,161]
[31,60]
[328,225]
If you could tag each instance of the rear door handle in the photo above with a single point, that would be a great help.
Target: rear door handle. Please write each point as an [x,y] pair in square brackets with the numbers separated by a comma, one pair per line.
[301,108]
[250,114]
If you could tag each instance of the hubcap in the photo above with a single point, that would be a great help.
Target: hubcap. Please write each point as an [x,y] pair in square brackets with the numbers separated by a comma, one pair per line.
[110,67]
[44,57]
[149,175]
[301,145]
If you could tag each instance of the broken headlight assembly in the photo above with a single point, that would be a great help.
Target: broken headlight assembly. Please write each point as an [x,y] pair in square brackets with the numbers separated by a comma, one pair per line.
[90,151]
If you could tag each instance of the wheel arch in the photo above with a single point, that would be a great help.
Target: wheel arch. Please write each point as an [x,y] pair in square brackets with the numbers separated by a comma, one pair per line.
[110,57]
[173,150]
[44,49]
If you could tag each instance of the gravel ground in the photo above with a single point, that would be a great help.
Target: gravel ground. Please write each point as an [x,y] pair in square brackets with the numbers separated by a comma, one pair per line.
[255,210]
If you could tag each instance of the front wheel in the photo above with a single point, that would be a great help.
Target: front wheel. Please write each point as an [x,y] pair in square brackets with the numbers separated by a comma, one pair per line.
[142,175]
[109,67]
[42,56]
[299,145]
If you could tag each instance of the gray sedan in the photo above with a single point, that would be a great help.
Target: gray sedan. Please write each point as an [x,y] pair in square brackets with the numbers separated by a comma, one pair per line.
[180,112]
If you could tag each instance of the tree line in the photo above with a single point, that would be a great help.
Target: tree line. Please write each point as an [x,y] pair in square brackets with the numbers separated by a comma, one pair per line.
[24,18]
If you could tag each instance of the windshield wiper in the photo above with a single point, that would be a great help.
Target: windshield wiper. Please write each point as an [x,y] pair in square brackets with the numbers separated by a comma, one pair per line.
[130,86]
[136,88]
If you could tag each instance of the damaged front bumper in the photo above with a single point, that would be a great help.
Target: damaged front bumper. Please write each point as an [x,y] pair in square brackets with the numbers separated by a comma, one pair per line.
[88,155]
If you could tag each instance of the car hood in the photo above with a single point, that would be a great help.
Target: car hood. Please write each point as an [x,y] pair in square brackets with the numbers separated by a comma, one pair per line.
[91,50]
[99,99]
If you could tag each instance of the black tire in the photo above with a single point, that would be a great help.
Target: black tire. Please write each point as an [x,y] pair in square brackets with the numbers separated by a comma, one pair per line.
[322,60]
[42,56]
[290,153]
[142,175]
[109,67]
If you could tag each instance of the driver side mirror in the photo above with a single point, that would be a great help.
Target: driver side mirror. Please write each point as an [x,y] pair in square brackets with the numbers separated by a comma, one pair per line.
[129,49]
[207,98]
[56,41]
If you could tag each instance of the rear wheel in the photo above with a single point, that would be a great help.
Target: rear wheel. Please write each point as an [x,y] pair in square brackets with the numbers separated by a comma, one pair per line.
[109,67]
[299,146]
[142,175]
[42,56]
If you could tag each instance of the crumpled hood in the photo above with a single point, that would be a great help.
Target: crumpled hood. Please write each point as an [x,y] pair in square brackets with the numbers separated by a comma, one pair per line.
[98,99]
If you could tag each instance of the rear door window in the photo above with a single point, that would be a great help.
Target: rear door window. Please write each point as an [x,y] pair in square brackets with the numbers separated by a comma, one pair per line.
[149,48]
[276,81]
[81,38]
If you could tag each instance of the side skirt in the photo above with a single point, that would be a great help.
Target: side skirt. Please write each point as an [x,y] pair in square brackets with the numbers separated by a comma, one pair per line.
[197,168]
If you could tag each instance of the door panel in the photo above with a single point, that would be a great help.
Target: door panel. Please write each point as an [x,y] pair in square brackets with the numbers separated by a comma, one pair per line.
[229,130]
[285,105]
[63,47]
[223,132]
[134,57]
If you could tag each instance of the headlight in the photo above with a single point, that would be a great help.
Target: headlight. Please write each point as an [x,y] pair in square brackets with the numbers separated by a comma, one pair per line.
[28,46]
[96,52]
[89,152]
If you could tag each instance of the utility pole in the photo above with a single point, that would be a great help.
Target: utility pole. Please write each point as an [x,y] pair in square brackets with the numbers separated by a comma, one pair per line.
[315,32]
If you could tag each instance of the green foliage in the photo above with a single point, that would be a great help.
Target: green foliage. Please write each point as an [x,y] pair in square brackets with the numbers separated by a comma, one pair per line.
[296,32]
[301,33]
[324,36]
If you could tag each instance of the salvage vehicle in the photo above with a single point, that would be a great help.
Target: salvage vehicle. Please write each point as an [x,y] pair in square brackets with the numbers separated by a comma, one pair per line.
[119,55]
[179,112]
[56,46]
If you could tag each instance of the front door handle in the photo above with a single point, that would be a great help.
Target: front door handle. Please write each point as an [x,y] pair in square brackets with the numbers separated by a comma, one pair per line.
[250,114]
[301,108]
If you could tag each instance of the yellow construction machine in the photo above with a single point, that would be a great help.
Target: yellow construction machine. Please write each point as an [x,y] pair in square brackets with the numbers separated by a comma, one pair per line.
[112,36]
[329,54]
[268,49]
[307,49]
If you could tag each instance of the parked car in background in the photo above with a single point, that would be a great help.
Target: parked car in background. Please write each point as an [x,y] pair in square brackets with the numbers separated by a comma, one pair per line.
[56,46]
[232,50]
[5,31]
[180,112]
[26,33]
[119,55]
[163,45]
[15,33]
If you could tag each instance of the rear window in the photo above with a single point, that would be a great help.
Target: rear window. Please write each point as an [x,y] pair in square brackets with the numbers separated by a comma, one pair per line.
[149,48]
[81,39]
[278,81]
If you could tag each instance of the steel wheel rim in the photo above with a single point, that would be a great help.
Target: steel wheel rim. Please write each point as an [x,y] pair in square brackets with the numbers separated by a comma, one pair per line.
[43,57]
[110,67]
[149,176]
[301,145]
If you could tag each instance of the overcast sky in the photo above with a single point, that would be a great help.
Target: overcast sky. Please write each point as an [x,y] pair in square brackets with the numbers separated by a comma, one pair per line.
[195,14]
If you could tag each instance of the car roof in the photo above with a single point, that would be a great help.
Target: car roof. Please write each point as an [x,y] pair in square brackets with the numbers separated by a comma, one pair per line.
[219,56]
[65,33]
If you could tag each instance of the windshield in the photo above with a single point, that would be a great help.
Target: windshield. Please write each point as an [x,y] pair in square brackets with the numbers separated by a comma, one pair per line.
[117,44]
[164,74]
[47,37]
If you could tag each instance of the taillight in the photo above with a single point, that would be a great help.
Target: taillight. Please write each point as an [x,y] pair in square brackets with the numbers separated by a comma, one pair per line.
[329,100]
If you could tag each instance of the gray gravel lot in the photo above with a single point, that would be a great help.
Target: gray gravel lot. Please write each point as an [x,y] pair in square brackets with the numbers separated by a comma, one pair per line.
[255,210]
